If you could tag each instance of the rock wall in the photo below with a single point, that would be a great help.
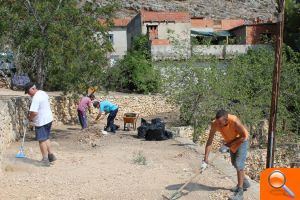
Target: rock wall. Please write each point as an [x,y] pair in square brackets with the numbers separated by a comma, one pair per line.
[14,110]
[225,51]
[65,108]
[12,113]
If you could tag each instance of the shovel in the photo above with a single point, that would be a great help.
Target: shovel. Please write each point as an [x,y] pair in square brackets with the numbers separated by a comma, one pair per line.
[21,153]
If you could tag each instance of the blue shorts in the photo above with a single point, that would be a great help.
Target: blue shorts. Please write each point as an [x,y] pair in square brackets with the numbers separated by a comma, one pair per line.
[238,158]
[42,133]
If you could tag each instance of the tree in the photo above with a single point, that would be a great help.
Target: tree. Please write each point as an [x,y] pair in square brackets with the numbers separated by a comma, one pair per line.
[241,85]
[58,40]
[135,71]
[292,24]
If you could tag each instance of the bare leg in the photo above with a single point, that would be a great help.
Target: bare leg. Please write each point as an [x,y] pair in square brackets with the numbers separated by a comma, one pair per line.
[240,176]
[48,143]
[43,148]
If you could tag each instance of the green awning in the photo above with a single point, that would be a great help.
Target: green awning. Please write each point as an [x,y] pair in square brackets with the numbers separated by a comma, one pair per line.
[211,34]
[222,33]
[201,33]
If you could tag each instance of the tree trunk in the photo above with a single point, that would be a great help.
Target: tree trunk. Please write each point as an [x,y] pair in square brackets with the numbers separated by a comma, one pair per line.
[41,69]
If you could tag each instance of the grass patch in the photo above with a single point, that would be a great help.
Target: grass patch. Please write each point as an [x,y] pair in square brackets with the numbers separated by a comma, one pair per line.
[139,159]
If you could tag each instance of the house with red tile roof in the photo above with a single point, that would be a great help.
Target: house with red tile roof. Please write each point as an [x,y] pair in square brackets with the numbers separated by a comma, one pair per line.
[211,25]
[248,32]
[168,32]
[255,33]
[118,37]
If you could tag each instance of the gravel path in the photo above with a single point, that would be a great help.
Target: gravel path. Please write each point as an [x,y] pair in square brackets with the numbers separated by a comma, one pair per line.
[108,170]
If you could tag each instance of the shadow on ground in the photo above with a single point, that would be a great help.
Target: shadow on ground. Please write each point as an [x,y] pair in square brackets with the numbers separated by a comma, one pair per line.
[195,187]
[130,135]
[61,134]
[31,161]
[26,160]
[184,144]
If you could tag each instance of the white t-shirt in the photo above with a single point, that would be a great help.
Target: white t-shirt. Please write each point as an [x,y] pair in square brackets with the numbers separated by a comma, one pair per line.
[40,104]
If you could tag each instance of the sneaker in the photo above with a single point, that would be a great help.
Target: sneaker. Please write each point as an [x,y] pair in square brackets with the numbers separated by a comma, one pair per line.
[117,127]
[239,195]
[51,157]
[246,185]
[45,162]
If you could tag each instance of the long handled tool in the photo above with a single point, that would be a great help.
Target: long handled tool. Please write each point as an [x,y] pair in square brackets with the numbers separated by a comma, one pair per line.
[177,193]
[21,153]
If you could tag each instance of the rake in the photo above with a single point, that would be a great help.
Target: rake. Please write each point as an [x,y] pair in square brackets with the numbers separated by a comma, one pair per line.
[177,194]
[21,153]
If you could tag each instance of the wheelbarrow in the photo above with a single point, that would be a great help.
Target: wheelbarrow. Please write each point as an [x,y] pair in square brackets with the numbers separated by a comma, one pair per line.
[130,118]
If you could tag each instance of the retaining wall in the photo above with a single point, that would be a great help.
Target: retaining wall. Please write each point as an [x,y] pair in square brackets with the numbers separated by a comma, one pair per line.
[13,110]
[224,51]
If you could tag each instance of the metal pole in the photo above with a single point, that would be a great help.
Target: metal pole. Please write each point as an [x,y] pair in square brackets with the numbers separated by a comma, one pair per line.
[275,88]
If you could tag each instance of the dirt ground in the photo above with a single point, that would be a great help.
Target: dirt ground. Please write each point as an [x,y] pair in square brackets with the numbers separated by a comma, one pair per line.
[114,167]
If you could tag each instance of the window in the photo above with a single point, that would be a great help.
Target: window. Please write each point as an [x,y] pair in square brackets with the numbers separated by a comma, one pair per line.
[266,38]
[111,38]
[152,31]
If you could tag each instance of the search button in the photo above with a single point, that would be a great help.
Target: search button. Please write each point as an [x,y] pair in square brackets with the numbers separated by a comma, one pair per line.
[277,180]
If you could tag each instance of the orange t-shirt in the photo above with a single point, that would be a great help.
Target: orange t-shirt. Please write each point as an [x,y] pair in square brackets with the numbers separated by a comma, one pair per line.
[229,132]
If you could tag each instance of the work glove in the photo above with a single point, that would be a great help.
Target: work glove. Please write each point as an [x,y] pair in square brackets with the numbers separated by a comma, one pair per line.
[25,122]
[224,149]
[203,166]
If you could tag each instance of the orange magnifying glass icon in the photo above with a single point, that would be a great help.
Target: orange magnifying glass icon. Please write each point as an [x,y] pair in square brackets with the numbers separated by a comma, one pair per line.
[277,180]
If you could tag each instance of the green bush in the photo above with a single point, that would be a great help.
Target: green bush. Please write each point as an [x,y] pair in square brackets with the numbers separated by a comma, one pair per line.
[242,85]
[134,73]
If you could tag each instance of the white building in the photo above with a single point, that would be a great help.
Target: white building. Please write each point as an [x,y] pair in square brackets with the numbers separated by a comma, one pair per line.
[118,39]
[168,32]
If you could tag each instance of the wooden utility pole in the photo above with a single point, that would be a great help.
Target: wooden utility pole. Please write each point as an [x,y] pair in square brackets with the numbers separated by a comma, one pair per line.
[275,88]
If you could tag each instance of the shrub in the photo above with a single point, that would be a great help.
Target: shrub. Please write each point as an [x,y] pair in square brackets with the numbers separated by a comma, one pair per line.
[242,85]
[135,72]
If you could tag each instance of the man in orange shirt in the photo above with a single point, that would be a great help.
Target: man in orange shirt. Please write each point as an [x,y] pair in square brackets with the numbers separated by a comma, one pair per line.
[236,137]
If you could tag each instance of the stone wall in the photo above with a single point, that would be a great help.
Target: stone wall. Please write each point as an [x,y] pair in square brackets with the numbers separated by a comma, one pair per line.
[170,52]
[64,109]
[12,113]
[224,51]
[13,110]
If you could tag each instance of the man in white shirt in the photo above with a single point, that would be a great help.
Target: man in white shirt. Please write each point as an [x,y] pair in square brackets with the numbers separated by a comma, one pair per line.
[41,116]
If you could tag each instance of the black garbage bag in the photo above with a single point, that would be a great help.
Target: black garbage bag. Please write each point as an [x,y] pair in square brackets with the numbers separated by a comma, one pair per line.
[168,134]
[154,130]
[143,128]
[144,122]
[142,131]
[157,121]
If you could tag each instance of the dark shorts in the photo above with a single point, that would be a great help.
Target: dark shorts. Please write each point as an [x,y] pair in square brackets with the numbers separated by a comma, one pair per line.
[42,133]
[238,158]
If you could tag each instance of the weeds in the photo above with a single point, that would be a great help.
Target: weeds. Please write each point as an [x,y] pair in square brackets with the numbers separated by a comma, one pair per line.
[139,159]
